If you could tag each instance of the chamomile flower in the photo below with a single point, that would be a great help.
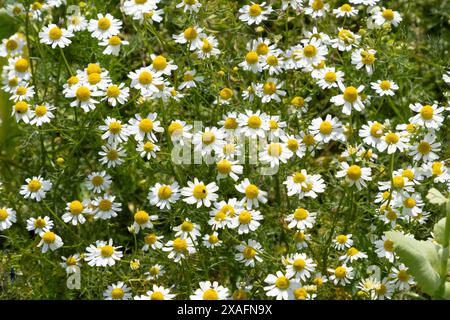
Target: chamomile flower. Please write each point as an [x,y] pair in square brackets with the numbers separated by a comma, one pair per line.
[317,8]
[72,263]
[189,5]
[75,211]
[164,195]
[212,240]
[190,80]
[301,239]
[193,36]
[349,99]
[248,253]
[179,249]
[342,275]
[392,141]
[384,87]
[345,40]
[200,194]
[155,272]
[352,255]
[35,188]
[330,78]
[113,45]
[355,175]
[226,168]
[146,80]
[223,214]
[382,290]
[116,94]
[142,220]
[372,133]
[12,46]
[117,291]
[161,65]
[179,132]
[280,286]
[84,94]
[18,67]
[104,27]
[427,115]
[426,149]
[255,13]
[152,241]
[252,62]
[157,293]
[327,130]
[39,224]
[41,114]
[253,124]
[210,291]
[7,218]
[273,62]
[248,221]
[23,92]
[112,155]
[147,149]
[274,153]
[22,112]
[270,90]
[312,53]
[114,131]
[345,10]
[301,219]
[437,170]
[211,139]
[49,240]
[385,248]
[105,207]
[187,229]
[55,36]
[138,9]
[343,241]
[145,128]
[412,205]
[387,16]
[76,23]
[364,58]
[299,104]
[299,266]
[98,181]
[252,194]
[102,254]
[401,279]
[209,48]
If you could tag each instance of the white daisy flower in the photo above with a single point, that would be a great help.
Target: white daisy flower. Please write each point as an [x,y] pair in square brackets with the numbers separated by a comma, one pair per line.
[299,266]
[349,99]
[75,211]
[364,58]
[193,36]
[392,142]
[98,181]
[179,249]
[327,130]
[102,254]
[388,16]
[341,275]
[112,155]
[255,13]
[428,116]
[248,253]
[384,87]
[270,90]
[55,36]
[198,193]
[113,45]
[142,220]
[301,219]
[35,188]
[280,286]
[117,291]
[343,241]
[145,128]
[355,175]
[157,293]
[146,80]
[163,195]
[42,114]
[7,218]
[226,168]
[248,221]
[426,149]
[104,27]
[252,194]
[190,80]
[39,224]
[49,240]
[152,241]
[105,207]
[210,291]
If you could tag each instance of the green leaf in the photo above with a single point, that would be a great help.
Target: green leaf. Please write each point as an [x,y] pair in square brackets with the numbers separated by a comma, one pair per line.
[436,197]
[439,231]
[8,25]
[421,258]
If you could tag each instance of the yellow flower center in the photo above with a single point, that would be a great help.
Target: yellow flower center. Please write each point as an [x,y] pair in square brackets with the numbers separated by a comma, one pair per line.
[112,155]
[330,76]
[427,112]
[424,147]
[409,203]
[391,138]
[354,172]
[146,125]
[299,264]
[21,107]
[150,238]
[164,192]
[385,85]
[55,33]
[34,185]
[40,110]
[226,93]
[346,8]
[342,238]
[340,272]
[436,168]
[388,14]
[262,49]
[388,245]
[208,138]
[398,182]
[408,173]
[117,293]
[292,144]
[282,283]
[97,181]
[350,94]
[224,166]
[251,191]
[254,122]
[49,237]
[210,294]
[3,214]
[115,127]
[21,65]
[13,82]
[249,253]
[76,207]
[93,68]
[106,251]
[200,191]
[114,41]
[272,60]
[300,294]
[299,177]
[403,276]
[175,127]
[71,261]
[245,217]
[72,80]
[207,46]
[269,88]
[40,223]
[83,93]
[299,236]
[141,217]
[105,205]
[300,214]
[325,127]
[255,10]
[352,252]
[190,34]
[298,102]
[157,295]
[230,123]
[145,77]
[179,244]
[367,57]
[308,139]
[376,130]
[104,23]
[346,35]
[252,57]
[11,45]
[309,51]
[159,63]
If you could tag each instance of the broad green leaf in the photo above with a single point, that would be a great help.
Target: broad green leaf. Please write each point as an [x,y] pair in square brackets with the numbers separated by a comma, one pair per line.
[439,231]
[436,197]
[8,25]
[422,259]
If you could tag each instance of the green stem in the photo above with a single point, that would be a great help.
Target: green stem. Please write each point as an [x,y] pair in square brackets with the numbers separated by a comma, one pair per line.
[445,251]
[65,61]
